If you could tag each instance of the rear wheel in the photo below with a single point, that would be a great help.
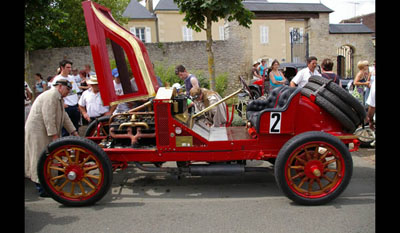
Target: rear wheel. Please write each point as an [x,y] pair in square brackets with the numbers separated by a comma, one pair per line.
[313,168]
[75,171]
[99,127]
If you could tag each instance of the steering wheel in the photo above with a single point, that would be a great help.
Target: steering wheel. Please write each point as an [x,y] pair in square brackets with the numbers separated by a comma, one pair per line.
[245,87]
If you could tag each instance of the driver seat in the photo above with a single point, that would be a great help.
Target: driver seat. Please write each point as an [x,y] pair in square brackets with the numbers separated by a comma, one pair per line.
[278,100]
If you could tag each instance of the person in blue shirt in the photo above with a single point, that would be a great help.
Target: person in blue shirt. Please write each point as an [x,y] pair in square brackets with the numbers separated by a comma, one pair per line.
[263,68]
[40,85]
[276,77]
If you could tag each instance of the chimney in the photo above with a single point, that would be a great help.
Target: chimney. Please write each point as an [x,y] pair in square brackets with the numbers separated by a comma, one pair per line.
[149,6]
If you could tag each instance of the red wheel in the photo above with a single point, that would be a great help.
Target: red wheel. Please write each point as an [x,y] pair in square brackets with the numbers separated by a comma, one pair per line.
[313,168]
[75,172]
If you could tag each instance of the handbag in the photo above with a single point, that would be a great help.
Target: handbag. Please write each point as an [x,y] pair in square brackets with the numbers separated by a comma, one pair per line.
[357,93]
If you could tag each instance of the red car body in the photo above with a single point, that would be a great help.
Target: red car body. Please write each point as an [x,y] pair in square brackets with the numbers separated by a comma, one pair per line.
[299,135]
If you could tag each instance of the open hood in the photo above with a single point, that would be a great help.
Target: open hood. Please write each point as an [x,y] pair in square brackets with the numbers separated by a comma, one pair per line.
[127,50]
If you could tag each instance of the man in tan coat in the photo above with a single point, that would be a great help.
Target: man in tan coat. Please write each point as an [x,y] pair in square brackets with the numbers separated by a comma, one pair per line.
[45,121]
[203,98]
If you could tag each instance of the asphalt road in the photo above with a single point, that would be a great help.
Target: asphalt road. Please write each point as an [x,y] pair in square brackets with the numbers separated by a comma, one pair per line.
[157,202]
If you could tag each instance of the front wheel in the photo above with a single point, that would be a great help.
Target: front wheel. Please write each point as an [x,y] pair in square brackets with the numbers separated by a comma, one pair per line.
[75,171]
[313,168]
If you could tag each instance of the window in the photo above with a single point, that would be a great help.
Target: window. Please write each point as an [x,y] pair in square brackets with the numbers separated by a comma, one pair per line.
[140,34]
[143,33]
[264,34]
[296,35]
[187,34]
[221,33]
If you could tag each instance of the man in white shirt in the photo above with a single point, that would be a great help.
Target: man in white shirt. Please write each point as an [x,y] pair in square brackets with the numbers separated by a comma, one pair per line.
[70,101]
[90,103]
[303,75]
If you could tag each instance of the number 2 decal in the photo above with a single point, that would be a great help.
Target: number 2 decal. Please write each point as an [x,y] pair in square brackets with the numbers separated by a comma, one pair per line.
[275,122]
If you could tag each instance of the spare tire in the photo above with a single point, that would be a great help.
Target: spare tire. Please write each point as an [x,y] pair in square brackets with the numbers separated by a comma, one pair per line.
[342,94]
[335,100]
[346,122]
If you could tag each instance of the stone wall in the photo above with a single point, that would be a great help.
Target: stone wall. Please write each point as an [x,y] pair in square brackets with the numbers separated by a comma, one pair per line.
[233,55]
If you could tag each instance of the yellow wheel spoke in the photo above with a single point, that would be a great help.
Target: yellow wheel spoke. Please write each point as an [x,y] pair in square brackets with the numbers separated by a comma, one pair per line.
[90,168]
[61,161]
[62,186]
[57,177]
[82,189]
[88,183]
[57,168]
[92,176]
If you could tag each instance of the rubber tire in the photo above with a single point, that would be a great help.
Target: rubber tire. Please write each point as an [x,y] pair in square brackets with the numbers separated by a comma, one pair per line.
[97,152]
[93,125]
[255,93]
[335,100]
[346,122]
[294,143]
[342,94]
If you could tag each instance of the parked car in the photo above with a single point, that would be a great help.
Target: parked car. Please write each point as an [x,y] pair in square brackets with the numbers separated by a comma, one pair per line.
[346,83]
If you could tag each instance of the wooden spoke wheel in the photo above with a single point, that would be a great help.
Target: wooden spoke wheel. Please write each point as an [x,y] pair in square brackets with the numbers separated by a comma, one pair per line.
[75,171]
[313,168]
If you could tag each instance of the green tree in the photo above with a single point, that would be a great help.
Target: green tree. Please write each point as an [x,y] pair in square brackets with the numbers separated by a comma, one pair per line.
[60,23]
[199,15]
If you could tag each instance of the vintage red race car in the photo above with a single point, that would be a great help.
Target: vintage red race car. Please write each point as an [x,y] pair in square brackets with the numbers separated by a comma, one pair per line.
[296,129]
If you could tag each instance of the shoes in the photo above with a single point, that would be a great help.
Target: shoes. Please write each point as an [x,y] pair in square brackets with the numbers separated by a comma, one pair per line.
[42,192]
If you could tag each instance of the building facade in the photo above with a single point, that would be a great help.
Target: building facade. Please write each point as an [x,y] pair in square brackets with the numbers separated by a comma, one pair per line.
[288,32]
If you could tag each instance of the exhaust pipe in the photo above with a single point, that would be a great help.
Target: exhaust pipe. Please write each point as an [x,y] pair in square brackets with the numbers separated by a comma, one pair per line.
[216,170]
[205,170]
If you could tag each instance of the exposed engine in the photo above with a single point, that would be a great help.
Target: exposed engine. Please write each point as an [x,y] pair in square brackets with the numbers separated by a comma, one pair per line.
[134,129]
[131,130]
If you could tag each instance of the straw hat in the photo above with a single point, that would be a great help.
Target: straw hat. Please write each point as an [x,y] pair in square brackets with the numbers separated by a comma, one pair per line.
[93,80]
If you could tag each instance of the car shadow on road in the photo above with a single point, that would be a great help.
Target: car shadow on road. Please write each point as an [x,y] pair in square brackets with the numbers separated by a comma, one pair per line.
[133,184]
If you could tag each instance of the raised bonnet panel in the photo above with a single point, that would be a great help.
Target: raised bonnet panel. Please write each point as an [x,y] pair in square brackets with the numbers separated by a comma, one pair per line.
[101,27]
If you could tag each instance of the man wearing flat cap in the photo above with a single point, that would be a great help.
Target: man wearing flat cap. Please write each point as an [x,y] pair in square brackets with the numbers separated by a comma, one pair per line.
[44,124]
[216,117]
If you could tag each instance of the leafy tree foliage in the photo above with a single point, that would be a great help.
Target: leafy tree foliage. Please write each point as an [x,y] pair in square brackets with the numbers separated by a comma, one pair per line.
[60,23]
[199,15]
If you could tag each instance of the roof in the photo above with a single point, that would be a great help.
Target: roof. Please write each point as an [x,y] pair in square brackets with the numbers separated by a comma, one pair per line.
[257,6]
[357,19]
[349,28]
[135,10]
[166,5]
[260,5]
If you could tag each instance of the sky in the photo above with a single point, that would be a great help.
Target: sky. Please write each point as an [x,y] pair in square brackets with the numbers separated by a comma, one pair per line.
[343,9]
